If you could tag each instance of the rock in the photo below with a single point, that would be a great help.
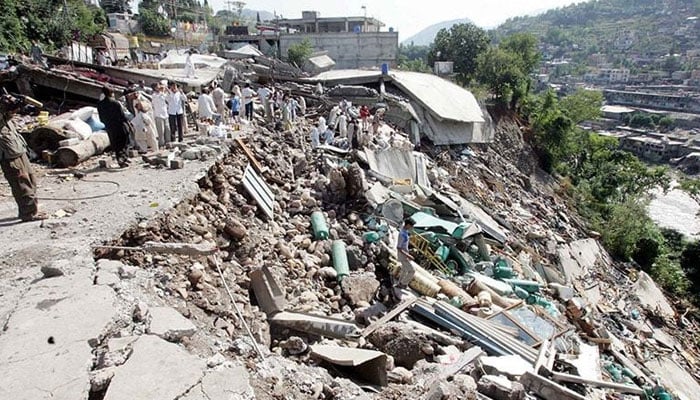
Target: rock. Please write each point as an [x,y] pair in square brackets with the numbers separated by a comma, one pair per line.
[44,346]
[400,375]
[127,271]
[156,370]
[169,324]
[235,229]
[466,384]
[442,391]
[328,273]
[355,258]
[216,360]
[100,379]
[358,288]
[51,271]
[140,312]
[500,388]
[401,342]
[294,345]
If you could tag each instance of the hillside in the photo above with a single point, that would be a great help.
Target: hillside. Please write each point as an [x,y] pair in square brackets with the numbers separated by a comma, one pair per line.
[253,15]
[427,35]
[621,31]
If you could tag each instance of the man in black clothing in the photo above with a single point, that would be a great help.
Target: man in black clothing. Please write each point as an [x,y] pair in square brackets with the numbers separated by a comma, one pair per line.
[116,124]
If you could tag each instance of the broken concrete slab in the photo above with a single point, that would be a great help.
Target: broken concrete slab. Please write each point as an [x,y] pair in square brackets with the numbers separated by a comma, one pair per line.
[548,389]
[44,351]
[223,384]
[512,366]
[651,297]
[169,324]
[368,365]
[156,370]
[499,387]
[674,378]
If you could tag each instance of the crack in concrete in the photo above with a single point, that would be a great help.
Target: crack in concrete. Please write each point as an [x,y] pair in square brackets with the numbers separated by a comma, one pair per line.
[186,392]
[13,310]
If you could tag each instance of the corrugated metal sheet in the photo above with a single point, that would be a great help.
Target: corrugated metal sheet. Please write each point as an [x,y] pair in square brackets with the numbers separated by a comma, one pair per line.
[257,188]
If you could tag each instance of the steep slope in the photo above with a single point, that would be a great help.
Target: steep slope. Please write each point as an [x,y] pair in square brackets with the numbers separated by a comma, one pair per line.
[616,28]
[427,35]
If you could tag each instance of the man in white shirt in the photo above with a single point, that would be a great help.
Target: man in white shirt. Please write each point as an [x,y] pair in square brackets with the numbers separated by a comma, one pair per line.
[160,113]
[264,96]
[205,105]
[176,110]
[248,96]
[145,134]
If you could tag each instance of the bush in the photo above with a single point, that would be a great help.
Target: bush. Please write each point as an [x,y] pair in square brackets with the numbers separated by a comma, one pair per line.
[153,24]
[298,53]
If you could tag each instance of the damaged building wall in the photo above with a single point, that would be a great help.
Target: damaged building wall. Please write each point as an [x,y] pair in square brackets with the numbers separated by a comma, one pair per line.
[350,50]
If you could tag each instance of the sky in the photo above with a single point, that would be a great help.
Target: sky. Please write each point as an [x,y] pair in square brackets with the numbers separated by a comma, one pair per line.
[408,17]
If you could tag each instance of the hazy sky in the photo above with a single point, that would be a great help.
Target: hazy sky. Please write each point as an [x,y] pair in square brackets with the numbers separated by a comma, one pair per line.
[408,16]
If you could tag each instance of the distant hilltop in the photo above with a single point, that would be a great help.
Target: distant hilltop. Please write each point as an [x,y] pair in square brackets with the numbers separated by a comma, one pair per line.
[427,35]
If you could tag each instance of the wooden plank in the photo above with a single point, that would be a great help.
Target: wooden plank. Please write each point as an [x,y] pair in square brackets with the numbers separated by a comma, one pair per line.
[389,316]
[257,188]
[250,155]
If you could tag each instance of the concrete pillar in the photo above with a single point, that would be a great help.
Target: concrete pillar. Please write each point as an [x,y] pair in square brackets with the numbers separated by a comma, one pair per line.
[347,25]
[317,31]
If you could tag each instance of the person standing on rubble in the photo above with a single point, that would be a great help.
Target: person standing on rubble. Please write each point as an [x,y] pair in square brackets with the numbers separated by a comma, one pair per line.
[189,66]
[176,111]
[145,133]
[160,113]
[248,96]
[15,163]
[235,106]
[407,270]
[218,95]
[264,96]
[117,125]
[364,116]
[206,106]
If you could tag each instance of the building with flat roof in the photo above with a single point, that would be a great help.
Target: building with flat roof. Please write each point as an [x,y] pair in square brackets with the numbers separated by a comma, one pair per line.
[352,42]
[311,22]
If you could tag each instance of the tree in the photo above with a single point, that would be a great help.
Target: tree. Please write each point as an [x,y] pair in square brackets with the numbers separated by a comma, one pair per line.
[461,44]
[498,69]
[115,6]
[153,24]
[582,105]
[524,45]
[298,53]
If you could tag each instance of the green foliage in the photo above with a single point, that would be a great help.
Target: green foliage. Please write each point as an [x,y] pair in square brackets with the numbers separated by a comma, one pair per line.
[48,22]
[415,66]
[670,276]
[115,6]
[413,58]
[153,24]
[616,30]
[506,69]
[582,105]
[691,186]
[461,44]
[498,69]
[299,52]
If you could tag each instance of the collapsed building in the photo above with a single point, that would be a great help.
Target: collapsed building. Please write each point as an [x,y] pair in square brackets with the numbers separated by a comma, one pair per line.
[273,279]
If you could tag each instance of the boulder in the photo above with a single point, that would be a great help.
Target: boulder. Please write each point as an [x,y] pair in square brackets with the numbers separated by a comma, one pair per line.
[359,288]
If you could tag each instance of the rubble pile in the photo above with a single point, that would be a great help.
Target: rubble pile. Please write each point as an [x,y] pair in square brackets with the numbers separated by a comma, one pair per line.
[512,297]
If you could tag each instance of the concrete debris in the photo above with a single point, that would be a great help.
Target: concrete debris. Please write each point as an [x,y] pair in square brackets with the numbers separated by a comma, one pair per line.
[359,288]
[506,286]
[169,324]
[156,369]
